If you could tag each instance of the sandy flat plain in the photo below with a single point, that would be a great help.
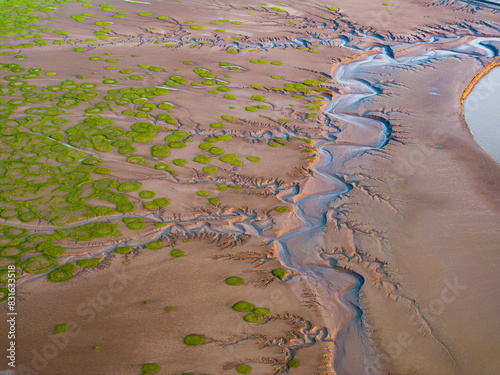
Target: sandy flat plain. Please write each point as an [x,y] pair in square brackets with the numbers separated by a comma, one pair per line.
[293,183]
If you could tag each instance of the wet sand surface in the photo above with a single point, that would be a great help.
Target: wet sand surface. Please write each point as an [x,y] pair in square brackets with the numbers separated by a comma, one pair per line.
[319,153]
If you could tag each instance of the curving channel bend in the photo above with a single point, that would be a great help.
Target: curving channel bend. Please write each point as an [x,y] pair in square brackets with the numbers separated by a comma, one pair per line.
[298,246]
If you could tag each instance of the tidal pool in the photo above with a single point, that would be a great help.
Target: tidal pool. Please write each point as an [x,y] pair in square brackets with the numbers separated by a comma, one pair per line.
[482,113]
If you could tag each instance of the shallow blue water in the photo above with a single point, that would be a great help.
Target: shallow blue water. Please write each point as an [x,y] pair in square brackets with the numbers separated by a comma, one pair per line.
[482,113]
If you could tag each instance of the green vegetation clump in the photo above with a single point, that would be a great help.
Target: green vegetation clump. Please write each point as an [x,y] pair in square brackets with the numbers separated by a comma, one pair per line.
[214,201]
[294,363]
[234,280]
[37,264]
[128,187]
[88,232]
[147,194]
[281,209]
[279,272]
[155,245]
[216,151]
[177,253]
[194,340]
[210,170]
[202,159]
[62,273]
[244,369]
[264,311]
[149,368]
[252,318]
[243,306]
[217,125]
[60,328]
[253,159]
[179,162]
[259,98]
[203,193]
[162,166]
[123,249]
[87,263]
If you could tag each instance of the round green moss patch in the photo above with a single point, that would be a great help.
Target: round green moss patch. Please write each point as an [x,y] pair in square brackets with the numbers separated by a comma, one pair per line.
[234,280]
[155,245]
[264,311]
[252,318]
[179,162]
[210,170]
[128,187]
[147,194]
[150,368]
[123,249]
[62,273]
[194,340]
[202,159]
[244,369]
[177,253]
[243,306]
[214,201]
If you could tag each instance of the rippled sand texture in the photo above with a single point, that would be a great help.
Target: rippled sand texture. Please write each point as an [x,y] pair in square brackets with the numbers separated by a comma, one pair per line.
[164,161]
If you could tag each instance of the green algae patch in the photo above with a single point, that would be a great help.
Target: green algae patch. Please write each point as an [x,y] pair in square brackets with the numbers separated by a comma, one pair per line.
[123,249]
[162,166]
[128,187]
[252,318]
[88,263]
[217,125]
[88,232]
[216,151]
[155,245]
[147,194]
[234,280]
[177,253]
[264,311]
[38,264]
[279,272]
[214,201]
[244,369]
[282,209]
[179,162]
[202,159]
[243,306]
[62,273]
[61,328]
[210,170]
[193,340]
[150,368]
